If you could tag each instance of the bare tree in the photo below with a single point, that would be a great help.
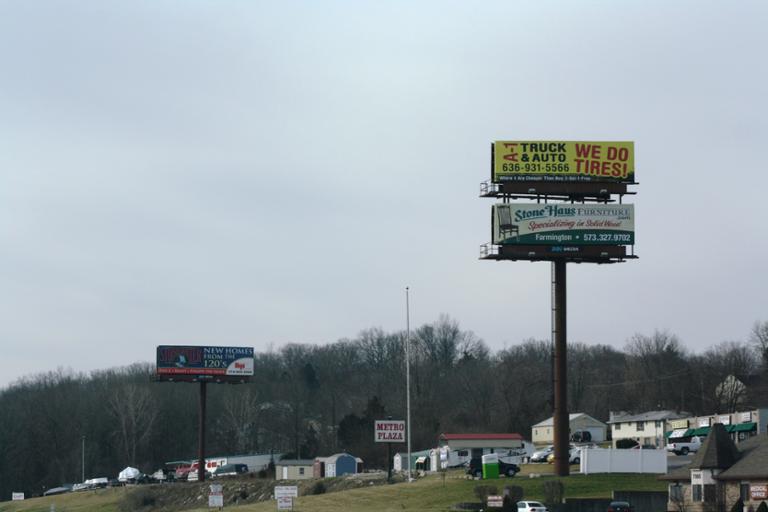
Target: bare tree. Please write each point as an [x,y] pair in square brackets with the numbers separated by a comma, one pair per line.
[759,338]
[656,364]
[240,419]
[135,410]
[726,367]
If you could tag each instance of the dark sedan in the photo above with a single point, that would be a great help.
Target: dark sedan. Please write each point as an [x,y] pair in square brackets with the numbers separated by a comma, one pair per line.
[620,506]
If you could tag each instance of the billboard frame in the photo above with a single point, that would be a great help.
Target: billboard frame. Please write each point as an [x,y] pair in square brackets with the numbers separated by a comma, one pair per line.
[191,376]
[557,156]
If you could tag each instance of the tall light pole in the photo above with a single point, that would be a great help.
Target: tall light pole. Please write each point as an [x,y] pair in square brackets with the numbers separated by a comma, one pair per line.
[83,464]
[408,375]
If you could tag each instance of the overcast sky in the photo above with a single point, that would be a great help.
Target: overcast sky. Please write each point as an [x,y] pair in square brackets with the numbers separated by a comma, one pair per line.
[264,172]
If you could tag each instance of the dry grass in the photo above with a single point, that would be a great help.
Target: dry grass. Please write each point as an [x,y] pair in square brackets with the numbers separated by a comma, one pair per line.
[429,494]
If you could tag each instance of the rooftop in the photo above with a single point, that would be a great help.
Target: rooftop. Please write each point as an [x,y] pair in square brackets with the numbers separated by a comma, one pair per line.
[752,463]
[480,437]
[647,416]
[549,421]
[295,462]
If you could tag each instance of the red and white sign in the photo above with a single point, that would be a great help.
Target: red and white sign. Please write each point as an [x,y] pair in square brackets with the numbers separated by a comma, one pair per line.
[284,503]
[389,431]
[495,501]
[758,491]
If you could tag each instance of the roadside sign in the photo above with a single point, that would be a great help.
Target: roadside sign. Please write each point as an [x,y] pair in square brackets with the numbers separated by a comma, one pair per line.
[285,503]
[17,496]
[216,496]
[286,491]
[389,431]
[495,501]
[758,491]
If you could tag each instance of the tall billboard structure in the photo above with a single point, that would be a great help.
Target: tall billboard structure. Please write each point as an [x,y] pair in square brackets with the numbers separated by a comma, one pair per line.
[561,202]
[203,364]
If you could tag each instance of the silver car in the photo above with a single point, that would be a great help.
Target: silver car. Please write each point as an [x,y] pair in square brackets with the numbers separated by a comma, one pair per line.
[530,506]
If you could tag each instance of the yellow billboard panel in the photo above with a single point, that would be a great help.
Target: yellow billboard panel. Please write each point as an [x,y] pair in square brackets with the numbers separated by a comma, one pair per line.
[522,160]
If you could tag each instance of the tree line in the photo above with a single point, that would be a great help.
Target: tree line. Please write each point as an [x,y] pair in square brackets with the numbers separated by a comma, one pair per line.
[309,400]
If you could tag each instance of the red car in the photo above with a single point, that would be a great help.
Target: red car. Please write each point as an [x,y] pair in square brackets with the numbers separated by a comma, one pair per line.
[182,472]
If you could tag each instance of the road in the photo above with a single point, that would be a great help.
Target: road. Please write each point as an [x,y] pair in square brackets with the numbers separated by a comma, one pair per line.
[676,461]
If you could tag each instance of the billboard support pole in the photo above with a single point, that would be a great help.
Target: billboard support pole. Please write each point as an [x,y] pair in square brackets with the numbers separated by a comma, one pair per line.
[560,417]
[201,434]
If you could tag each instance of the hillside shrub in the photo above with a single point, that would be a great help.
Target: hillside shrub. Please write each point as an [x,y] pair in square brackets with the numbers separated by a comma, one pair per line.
[738,506]
[763,507]
[512,494]
[138,499]
[318,488]
[483,491]
[554,490]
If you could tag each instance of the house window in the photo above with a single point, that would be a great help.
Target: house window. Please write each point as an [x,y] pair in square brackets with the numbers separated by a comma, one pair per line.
[744,492]
[640,425]
[676,493]
[696,493]
[301,471]
[617,426]
[658,424]
[463,453]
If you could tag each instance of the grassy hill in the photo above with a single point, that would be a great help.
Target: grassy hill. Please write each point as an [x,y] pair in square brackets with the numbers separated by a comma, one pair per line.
[432,493]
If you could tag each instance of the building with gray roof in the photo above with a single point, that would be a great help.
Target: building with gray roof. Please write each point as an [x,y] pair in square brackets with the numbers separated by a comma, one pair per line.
[721,474]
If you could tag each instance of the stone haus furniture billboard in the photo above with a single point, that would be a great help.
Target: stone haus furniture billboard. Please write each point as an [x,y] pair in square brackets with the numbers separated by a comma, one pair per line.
[563,224]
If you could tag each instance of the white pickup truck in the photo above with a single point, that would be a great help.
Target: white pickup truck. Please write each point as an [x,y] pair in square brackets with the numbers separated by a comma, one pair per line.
[684,445]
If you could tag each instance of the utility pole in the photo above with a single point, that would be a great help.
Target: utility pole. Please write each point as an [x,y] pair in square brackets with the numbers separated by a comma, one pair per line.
[83,461]
[408,375]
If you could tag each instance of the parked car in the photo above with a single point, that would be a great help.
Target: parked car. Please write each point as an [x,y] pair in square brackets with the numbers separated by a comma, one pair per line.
[541,455]
[475,468]
[684,445]
[574,456]
[581,436]
[645,447]
[230,470]
[193,476]
[57,490]
[182,472]
[531,506]
[620,506]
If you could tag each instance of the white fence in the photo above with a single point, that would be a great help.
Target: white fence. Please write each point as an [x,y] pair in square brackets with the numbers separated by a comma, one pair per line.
[597,460]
